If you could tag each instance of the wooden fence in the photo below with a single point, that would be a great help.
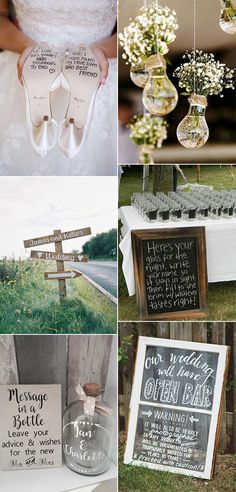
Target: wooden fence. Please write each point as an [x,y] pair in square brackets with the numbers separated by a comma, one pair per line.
[218,333]
[59,359]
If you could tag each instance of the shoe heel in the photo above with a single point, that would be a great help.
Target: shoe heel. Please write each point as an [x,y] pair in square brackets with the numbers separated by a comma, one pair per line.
[69,138]
[43,137]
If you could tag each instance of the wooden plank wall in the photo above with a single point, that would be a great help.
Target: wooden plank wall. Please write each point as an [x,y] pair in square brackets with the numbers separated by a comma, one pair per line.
[189,331]
[8,364]
[55,359]
[88,360]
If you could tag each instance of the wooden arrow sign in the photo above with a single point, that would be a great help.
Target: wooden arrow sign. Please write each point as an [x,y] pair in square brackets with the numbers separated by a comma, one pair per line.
[50,255]
[61,275]
[57,237]
[53,238]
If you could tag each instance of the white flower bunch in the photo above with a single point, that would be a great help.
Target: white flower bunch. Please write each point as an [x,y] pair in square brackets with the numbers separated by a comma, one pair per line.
[149,33]
[148,130]
[229,11]
[203,75]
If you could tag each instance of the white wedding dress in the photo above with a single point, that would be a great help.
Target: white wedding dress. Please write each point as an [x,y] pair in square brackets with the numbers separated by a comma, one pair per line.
[63,23]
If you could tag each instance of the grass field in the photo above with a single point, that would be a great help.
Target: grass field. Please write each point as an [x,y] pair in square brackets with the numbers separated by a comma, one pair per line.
[29,304]
[221,296]
[139,479]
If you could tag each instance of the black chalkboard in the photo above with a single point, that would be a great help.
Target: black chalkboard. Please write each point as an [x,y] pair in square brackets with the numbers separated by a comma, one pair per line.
[172,438]
[176,377]
[170,273]
[176,406]
[179,377]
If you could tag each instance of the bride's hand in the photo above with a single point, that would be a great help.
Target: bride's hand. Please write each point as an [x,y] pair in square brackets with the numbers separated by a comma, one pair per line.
[102,60]
[22,58]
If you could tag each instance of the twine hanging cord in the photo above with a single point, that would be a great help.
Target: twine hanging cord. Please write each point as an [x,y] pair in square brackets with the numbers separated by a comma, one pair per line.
[156,2]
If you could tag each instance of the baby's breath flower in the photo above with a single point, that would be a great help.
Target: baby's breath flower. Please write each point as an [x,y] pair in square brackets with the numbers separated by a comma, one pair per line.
[202,74]
[148,130]
[150,32]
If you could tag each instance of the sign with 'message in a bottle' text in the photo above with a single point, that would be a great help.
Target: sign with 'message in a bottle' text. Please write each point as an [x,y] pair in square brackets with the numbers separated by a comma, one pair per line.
[30,427]
[175,406]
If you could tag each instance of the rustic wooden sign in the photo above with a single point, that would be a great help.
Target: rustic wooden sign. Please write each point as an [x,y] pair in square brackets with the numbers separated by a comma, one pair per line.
[53,238]
[59,256]
[61,275]
[50,255]
[30,427]
[176,406]
[170,273]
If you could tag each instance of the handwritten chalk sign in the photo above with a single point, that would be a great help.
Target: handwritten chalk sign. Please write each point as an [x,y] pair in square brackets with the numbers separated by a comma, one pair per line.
[30,427]
[176,405]
[170,273]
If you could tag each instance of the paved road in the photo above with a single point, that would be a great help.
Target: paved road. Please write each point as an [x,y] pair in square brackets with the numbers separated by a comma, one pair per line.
[104,273]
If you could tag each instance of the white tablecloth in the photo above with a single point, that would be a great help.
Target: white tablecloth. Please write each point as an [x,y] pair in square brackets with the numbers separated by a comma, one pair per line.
[220,244]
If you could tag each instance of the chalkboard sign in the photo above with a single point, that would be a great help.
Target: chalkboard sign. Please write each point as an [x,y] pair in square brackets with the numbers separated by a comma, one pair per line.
[30,427]
[175,406]
[170,273]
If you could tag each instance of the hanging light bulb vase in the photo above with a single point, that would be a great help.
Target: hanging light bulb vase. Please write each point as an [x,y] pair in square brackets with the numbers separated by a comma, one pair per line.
[193,131]
[160,96]
[139,75]
[201,76]
[146,154]
[228,16]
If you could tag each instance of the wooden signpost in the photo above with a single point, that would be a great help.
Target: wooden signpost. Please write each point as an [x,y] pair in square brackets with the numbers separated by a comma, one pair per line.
[59,256]
[176,406]
[30,427]
[170,273]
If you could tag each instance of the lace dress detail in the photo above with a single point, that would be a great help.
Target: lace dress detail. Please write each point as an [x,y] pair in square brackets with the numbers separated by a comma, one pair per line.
[63,24]
[66,21]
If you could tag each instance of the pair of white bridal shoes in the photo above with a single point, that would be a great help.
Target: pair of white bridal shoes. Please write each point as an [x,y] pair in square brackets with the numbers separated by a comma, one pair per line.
[44,72]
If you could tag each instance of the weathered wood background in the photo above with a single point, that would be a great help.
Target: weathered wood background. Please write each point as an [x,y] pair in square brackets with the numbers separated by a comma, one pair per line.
[62,359]
[218,333]
[59,359]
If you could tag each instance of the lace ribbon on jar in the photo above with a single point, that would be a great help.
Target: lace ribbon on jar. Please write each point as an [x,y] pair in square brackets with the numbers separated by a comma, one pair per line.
[90,403]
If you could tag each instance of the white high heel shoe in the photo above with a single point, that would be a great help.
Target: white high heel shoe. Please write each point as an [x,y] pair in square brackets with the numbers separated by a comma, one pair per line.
[81,77]
[40,76]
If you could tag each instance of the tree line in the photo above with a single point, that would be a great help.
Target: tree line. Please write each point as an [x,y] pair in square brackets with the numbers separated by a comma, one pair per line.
[102,245]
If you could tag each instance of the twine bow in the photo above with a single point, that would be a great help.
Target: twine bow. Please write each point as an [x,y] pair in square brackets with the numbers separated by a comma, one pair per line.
[90,403]
[198,100]
[155,61]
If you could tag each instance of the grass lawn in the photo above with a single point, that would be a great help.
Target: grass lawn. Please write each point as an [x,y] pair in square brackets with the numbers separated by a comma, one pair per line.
[29,304]
[221,296]
[140,479]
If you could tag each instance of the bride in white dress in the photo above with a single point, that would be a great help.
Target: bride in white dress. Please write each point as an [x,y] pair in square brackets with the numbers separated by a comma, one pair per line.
[64,24]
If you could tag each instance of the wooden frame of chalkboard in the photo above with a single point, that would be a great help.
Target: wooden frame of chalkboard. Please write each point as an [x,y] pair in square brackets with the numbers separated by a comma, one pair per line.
[156,440]
[182,251]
